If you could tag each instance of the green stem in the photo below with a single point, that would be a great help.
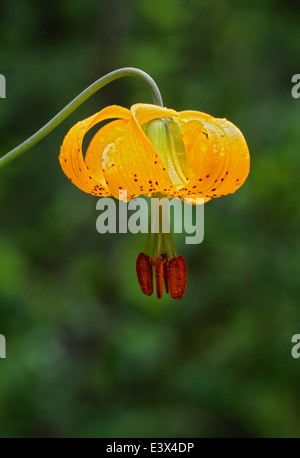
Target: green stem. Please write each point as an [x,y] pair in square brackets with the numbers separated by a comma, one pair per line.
[163,243]
[148,243]
[172,244]
[159,233]
[169,246]
[65,112]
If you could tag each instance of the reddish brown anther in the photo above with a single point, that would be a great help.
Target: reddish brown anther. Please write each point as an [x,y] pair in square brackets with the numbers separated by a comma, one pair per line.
[176,273]
[144,272]
[166,263]
[159,275]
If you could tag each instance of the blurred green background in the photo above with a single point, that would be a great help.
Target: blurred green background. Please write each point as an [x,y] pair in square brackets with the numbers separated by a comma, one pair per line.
[87,354]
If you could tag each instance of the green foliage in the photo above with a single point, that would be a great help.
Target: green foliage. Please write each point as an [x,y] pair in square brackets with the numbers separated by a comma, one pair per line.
[87,353]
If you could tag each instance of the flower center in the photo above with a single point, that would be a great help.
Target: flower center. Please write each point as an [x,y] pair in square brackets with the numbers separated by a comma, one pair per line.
[165,135]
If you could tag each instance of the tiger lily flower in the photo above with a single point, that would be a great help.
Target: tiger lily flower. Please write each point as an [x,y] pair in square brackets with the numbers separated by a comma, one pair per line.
[151,150]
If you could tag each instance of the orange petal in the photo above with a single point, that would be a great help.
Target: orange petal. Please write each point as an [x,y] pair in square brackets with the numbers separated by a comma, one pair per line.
[71,158]
[144,112]
[217,152]
[131,162]
[94,155]
[192,199]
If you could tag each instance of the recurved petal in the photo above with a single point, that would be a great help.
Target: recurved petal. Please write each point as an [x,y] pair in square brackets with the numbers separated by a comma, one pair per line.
[195,199]
[71,157]
[240,159]
[131,162]
[144,112]
[217,152]
[105,136]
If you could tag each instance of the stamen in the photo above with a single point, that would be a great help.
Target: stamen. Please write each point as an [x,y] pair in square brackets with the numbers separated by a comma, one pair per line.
[166,264]
[159,275]
[144,272]
[172,273]
[177,277]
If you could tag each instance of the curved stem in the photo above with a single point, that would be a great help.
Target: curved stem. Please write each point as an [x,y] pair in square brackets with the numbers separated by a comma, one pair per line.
[65,112]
